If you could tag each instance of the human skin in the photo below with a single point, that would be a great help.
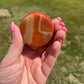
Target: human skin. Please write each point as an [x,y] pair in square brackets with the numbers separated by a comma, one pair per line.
[23,65]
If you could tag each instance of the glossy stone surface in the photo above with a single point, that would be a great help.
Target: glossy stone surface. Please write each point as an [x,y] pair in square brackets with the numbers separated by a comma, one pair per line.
[37,29]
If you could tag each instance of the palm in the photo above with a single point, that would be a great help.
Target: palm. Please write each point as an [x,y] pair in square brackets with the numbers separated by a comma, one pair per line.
[34,62]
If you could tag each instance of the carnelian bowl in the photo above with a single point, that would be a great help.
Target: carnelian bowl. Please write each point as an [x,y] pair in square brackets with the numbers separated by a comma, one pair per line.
[37,29]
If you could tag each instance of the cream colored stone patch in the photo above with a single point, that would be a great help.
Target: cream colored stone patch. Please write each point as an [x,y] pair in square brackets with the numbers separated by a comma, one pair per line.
[29,29]
[4,13]
[72,78]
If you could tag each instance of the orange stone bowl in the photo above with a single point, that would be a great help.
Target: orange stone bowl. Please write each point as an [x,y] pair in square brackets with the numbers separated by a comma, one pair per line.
[37,29]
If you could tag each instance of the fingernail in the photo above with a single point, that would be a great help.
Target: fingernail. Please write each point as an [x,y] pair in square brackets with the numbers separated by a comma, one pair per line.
[64,29]
[12,26]
[62,24]
[60,40]
[59,18]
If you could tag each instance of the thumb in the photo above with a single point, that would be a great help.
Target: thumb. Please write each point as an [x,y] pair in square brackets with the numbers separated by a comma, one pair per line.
[15,48]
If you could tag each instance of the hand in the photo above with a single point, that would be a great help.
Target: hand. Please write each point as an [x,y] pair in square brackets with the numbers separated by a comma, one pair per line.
[23,65]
